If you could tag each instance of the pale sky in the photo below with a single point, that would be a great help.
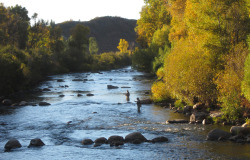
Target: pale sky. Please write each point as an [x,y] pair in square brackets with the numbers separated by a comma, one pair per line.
[83,10]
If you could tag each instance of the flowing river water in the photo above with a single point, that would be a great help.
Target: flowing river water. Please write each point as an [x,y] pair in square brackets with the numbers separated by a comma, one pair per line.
[70,119]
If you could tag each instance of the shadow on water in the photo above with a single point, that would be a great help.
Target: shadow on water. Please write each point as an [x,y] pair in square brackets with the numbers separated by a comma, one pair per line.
[72,117]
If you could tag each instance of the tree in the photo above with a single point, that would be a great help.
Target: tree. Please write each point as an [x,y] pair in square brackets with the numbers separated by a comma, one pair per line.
[123,46]
[154,15]
[79,37]
[18,26]
[246,82]
[93,46]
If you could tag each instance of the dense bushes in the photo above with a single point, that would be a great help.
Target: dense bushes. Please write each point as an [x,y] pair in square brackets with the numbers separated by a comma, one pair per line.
[206,58]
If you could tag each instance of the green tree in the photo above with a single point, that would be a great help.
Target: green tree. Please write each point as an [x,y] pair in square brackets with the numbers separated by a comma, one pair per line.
[246,81]
[93,45]
[18,26]
[79,37]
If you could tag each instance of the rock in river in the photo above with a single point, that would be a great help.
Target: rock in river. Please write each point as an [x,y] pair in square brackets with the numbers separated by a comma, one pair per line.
[12,144]
[238,130]
[135,137]
[113,139]
[101,140]
[159,139]
[112,87]
[36,143]
[215,134]
[87,142]
[177,121]
[44,104]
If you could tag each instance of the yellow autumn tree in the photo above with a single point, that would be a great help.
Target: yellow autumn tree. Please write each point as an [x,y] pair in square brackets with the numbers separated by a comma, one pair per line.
[123,46]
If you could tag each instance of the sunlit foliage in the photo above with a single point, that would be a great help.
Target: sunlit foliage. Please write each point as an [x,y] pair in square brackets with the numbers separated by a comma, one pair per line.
[123,46]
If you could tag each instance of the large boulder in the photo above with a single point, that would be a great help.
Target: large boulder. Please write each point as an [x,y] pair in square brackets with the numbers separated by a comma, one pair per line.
[177,121]
[215,134]
[238,130]
[135,137]
[159,139]
[198,117]
[101,140]
[87,142]
[36,143]
[7,102]
[12,144]
[115,138]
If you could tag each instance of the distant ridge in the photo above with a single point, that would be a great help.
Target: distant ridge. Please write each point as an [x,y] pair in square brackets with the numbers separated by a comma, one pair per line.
[107,30]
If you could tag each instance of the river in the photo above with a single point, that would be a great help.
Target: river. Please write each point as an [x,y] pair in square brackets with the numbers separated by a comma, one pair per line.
[70,119]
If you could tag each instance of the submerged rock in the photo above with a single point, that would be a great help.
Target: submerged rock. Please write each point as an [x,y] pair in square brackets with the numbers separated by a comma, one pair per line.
[12,144]
[159,139]
[177,121]
[215,134]
[135,137]
[44,104]
[36,143]
[46,89]
[79,95]
[112,87]
[77,80]
[60,80]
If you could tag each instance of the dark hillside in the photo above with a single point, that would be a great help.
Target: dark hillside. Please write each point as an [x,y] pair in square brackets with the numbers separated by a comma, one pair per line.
[107,30]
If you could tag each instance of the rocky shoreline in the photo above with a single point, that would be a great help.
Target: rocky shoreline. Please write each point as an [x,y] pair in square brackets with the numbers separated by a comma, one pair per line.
[239,133]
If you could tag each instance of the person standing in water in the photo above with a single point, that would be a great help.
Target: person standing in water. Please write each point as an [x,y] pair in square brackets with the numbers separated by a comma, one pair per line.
[138,102]
[127,95]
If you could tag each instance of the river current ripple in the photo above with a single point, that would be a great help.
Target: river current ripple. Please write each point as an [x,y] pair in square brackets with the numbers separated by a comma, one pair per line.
[71,118]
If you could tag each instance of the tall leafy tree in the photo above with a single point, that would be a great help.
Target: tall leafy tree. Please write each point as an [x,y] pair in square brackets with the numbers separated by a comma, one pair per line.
[153,16]
[123,46]
[79,37]
[93,45]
